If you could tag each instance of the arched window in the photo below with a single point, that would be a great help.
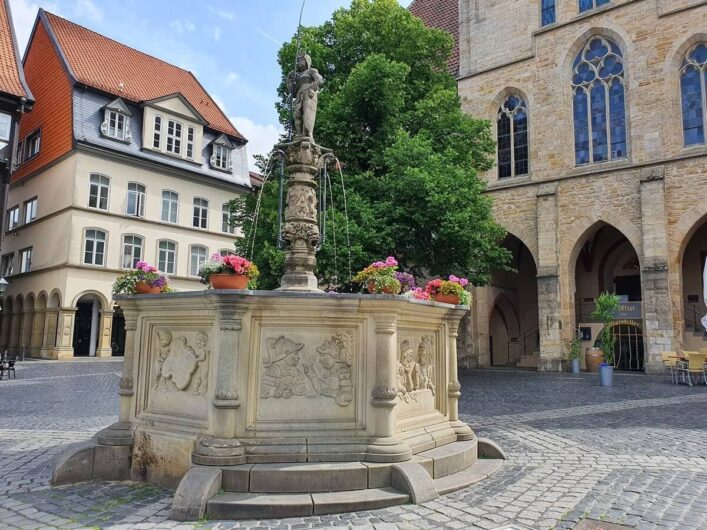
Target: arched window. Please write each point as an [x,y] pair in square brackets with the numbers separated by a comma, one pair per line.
[693,79]
[599,108]
[512,137]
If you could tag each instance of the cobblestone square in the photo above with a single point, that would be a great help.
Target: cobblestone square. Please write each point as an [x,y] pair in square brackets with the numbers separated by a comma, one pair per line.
[632,455]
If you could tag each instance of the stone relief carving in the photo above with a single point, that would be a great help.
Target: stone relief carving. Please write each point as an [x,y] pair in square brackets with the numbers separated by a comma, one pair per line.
[302,202]
[180,366]
[282,377]
[384,393]
[327,374]
[334,379]
[416,371]
[305,233]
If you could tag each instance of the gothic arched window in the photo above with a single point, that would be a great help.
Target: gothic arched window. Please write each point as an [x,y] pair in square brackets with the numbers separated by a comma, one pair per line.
[512,137]
[693,78]
[599,108]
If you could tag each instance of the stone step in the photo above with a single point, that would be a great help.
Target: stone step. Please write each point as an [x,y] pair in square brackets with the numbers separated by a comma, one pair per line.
[479,471]
[306,477]
[280,505]
[450,458]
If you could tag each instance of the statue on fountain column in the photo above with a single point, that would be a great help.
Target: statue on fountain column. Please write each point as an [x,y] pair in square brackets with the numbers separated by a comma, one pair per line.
[303,84]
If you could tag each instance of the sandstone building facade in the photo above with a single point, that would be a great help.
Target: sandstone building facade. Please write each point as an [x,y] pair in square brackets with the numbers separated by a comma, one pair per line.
[599,108]
[123,158]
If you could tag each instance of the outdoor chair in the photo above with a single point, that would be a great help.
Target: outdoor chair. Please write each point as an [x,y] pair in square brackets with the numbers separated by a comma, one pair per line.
[670,365]
[695,366]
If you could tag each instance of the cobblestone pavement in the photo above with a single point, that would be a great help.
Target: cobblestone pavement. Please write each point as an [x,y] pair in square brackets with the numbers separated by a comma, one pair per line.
[634,454]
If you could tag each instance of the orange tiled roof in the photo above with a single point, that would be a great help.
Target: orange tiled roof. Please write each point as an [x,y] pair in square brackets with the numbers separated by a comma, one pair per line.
[444,15]
[11,81]
[107,65]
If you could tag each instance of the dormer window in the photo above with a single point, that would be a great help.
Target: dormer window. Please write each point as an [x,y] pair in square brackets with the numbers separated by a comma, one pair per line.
[221,153]
[172,126]
[116,121]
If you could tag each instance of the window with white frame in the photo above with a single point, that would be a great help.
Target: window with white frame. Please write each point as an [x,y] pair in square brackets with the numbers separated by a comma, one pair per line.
[226,221]
[116,125]
[116,121]
[7,265]
[586,5]
[225,252]
[132,251]
[98,192]
[170,206]
[166,256]
[190,142]
[13,217]
[174,137]
[201,213]
[94,247]
[26,260]
[157,133]
[5,126]
[31,145]
[136,200]
[220,157]
[197,257]
[30,210]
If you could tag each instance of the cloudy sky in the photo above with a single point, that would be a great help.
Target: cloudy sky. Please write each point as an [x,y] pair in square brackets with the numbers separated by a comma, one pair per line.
[230,45]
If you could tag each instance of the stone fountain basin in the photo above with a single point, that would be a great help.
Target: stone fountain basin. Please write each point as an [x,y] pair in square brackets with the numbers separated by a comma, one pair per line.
[287,389]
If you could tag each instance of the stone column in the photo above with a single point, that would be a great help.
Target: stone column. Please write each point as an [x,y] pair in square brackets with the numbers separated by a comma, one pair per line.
[658,330]
[65,336]
[49,336]
[5,325]
[105,334]
[26,334]
[121,432]
[94,328]
[481,322]
[462,430]
[549,291]
[15,330]
[300,231]
[221,447]
[386,447]
[37,333]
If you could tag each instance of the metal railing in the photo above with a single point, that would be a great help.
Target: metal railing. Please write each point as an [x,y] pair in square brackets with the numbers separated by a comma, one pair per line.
[528,341]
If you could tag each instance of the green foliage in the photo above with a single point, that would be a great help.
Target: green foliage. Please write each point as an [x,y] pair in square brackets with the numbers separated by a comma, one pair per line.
[574,346]
[410,155]
[606,305]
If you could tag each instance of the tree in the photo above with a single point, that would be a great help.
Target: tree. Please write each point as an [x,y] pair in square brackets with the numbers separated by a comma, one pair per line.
[410,156]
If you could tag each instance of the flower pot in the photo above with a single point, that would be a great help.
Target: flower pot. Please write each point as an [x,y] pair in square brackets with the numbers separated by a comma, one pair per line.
[574,366]
[446,298]
[146,288]
[229,281]
[372,289]
[593,359]
[606,373]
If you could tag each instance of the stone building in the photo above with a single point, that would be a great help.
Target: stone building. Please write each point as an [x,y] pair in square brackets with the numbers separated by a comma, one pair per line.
[599,108]
[123,158]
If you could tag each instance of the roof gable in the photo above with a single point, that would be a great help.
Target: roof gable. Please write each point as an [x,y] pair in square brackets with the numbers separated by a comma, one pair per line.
[178,105]
[119,105]
[12,78]
[114,68]
[224,141]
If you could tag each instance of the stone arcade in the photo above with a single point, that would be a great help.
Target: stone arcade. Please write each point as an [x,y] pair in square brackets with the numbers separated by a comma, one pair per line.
[293,402]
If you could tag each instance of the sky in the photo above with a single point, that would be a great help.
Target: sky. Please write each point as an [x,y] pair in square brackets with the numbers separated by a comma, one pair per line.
[230,45]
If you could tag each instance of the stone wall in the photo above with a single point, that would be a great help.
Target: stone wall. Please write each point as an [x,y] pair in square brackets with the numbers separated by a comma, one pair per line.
[655,197]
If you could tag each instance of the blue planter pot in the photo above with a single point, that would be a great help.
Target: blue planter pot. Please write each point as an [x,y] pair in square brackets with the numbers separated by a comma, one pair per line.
[606,374]
[574,366]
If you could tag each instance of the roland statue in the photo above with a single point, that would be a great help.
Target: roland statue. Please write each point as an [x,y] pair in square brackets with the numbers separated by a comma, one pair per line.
[303,85]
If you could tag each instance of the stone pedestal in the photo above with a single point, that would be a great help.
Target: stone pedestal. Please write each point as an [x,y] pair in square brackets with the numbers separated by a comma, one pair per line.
[65,333]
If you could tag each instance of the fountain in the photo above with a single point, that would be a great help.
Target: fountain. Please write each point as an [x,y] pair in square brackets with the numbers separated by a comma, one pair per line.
[255,404]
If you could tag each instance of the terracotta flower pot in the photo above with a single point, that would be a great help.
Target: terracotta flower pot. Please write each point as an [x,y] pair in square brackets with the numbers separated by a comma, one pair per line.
[384,290]
[446,298]
[229,281]
[146,288]
[594,358]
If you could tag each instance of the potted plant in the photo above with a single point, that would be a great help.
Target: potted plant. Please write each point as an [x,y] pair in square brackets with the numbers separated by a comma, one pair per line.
[143,279]
[449,291]
[574,348]
[606,305]
[228,272]
[379,277]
